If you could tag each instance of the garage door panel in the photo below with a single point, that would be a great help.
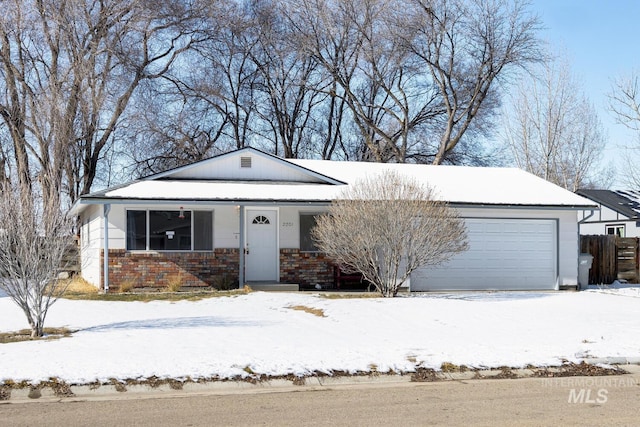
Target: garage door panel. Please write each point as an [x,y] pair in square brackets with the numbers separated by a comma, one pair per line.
[507,254]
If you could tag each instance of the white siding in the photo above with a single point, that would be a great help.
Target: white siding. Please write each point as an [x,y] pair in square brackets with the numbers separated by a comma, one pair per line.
[587,228]
[117,225]
[90,244]
[290,224]
[226,227]
[262,168]
[606,214]
[598,222]
[289,227]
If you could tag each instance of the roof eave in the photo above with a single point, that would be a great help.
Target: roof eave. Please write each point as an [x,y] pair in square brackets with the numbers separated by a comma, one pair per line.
[244,201]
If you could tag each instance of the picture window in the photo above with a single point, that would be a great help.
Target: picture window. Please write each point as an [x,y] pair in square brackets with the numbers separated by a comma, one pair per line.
[169,230]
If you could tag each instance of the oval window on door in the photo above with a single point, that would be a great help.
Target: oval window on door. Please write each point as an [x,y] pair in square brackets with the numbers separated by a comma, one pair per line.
[261,219]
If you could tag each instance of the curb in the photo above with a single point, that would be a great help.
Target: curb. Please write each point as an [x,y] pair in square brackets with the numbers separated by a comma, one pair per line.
[118,391]
[614,361]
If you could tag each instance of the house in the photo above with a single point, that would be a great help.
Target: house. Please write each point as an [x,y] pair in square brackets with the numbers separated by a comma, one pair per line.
[618,213]
[245,216]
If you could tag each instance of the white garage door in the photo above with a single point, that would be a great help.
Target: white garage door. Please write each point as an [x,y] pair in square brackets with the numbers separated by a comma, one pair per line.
[504,254]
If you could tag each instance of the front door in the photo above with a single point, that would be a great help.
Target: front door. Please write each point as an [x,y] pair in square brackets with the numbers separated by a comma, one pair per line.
[261,259]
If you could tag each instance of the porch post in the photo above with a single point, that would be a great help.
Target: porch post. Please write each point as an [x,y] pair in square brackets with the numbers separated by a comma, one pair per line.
[105,245]
[241,245]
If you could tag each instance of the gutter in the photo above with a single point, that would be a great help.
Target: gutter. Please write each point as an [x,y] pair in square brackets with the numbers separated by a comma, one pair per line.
[116,200]
[592,212]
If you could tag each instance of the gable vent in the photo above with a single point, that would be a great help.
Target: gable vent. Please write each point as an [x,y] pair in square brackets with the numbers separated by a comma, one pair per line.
[245,162]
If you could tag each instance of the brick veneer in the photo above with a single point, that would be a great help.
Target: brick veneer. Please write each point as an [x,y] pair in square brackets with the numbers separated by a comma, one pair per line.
[305,268]
[157,269]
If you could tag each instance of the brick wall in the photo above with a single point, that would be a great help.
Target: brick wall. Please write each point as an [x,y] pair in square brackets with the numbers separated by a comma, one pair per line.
[157,269]
[201,269]
[305,268]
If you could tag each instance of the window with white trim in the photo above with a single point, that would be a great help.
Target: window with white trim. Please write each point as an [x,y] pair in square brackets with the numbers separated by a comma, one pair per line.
[169,230]
[615,230]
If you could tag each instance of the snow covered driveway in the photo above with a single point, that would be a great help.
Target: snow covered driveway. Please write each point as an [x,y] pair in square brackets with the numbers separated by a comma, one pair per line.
[259,332]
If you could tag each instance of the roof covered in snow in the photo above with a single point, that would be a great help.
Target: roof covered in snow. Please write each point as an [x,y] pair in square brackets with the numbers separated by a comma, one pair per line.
[250,175]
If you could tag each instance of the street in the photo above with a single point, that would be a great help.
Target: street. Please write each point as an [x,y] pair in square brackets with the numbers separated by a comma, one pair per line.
[555,401]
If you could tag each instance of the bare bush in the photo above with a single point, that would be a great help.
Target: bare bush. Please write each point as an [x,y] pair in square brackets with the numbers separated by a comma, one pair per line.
[32,246]
[386,226]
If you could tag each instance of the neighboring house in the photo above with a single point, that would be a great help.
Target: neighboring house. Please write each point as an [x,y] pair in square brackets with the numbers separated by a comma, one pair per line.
[246,216]
[619,213]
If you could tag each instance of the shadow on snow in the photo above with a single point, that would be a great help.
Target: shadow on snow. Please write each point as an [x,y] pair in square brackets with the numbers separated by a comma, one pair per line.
[172,323]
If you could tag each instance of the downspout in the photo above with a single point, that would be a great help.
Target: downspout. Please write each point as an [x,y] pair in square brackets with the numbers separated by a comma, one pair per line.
[592,211]
[241,249]
[107,208]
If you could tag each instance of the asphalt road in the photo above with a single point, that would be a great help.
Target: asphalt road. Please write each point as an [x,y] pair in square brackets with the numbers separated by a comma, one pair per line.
[583,401]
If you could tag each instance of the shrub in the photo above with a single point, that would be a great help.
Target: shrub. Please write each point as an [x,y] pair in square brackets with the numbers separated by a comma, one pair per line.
[222,283]
[385,227]
[174,283]
[127,286]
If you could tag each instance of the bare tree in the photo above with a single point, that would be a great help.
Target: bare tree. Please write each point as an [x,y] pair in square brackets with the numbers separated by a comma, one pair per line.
[354,42]
[168,129]
[553,131]
[222,75]
[69,70]
[624,102]
[465,47]
[387,226]
[32,244]
[289,84]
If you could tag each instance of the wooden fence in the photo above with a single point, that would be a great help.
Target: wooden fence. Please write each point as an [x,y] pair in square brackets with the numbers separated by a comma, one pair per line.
[70,262]
[613,258]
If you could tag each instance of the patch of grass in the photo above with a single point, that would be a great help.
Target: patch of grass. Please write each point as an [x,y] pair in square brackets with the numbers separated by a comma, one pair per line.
[59,387]
[174,283]
[77,285]
[424,375]
[315,311]
[450,367]
[373,370]
[223,282]
[157,296]
[127,286]
[299,381]
[25,335]
[119,386]
[505,373]
[583,369]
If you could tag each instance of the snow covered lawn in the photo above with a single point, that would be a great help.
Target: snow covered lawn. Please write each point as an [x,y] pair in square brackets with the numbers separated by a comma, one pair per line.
[259,332]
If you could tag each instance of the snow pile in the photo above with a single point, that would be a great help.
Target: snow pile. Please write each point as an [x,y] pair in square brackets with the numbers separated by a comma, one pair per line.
[260,333]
